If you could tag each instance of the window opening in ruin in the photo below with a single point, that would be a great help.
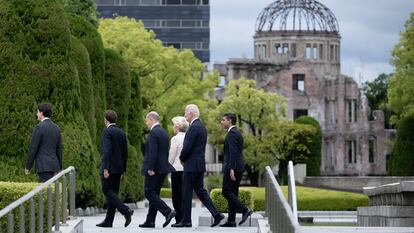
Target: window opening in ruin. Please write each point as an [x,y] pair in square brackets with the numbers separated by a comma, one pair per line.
[351,149]
[299,112]
[321,52]
[352,110]
[277,49]
[285,48]
[371,150]
[298,82]
[293,50]
[333,112]
[308,51]
[331,53]
[315,52]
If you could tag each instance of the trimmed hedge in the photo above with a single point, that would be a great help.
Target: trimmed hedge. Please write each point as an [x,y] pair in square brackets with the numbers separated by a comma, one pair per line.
[10,192]
[307,199]
[166,193]
[402,159]
[246,196]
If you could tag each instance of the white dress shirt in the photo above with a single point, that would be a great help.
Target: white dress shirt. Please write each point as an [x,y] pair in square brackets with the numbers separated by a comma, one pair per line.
[175,151]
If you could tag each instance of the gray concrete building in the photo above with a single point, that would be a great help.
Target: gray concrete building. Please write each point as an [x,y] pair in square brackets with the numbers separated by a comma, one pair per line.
[183,24]
[297,48]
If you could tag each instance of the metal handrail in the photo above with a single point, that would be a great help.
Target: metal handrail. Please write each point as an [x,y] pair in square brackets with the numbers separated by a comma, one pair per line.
[292,190]
[8,210]
[278,211]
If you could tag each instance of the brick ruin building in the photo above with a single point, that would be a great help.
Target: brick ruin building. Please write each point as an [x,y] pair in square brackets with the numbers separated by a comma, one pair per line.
[297,55]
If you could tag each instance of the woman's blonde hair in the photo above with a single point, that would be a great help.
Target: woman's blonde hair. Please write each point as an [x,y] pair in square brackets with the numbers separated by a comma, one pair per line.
[181,123]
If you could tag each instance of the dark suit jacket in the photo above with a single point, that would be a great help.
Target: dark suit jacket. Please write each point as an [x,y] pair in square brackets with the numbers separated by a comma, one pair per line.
[233,151]
[156,152]
[45,148]
[194,148]
[114,150]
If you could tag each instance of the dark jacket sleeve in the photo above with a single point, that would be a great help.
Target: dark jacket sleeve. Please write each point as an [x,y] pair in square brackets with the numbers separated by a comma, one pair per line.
[106,149]
[125,154]
[59,151]
[152,151]
[233,153]
[34,147]
[189,140]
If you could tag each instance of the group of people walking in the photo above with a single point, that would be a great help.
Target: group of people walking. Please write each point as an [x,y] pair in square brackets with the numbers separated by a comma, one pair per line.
[184,158]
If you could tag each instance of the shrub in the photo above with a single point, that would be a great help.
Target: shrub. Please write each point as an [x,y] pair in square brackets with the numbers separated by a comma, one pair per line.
[245,196]
[402,159]
[214,181]
[313,162]
[135,115]
[10,192]
[166,193]
[132,184]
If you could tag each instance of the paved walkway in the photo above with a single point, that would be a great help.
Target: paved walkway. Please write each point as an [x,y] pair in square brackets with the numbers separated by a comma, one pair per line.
[140,215]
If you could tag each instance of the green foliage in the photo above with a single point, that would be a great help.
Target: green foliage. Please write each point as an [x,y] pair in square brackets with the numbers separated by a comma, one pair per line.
[10,192]
[401,85]
[313,161]
[213,181]
[135,115]
[132,184]
[314,199]
[80,152]
[84,8]
[241,96]
[166,193]
[80,57]
[376,92]
[245,196]
[402,161]
[92,40]
[118,86]
[170,79]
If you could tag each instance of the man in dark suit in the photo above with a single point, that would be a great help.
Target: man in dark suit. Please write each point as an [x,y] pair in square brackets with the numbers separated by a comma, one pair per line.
[233,169]
[113,165]
[46,146]
[193,157]
[155,168]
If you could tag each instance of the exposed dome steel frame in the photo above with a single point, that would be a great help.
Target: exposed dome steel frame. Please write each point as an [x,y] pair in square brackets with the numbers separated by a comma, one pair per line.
[297,15]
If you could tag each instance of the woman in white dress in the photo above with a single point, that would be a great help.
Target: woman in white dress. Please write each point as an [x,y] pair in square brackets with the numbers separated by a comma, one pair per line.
[180,126]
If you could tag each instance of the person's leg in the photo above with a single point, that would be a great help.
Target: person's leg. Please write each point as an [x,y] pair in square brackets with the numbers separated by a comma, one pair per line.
[203,194]
[106,187]
[152,190]
[176,186]
[187,196]
[121,207]
[227,191]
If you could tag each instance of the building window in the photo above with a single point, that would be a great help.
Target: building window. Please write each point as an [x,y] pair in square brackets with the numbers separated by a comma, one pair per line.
[277,49]
[293,50]
[308,51]
[262,51]
[285,48]
[351,149]
[298,82]
[333,112]
[299,112]
[371,149]
[321,52]
[171,2]
[315,52]
[352,110]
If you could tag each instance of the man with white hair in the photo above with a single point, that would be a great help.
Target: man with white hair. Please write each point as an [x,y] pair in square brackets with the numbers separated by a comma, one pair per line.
[155,168]
[193,157]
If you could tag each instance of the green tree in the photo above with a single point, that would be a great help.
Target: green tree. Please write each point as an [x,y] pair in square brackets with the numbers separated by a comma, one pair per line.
[313,162]
[402,160]
[376,92]
[84,8]
[401,85]
[169,78]
[254,109]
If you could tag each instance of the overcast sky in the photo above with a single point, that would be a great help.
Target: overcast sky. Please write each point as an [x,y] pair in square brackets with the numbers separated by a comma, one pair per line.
[369,31]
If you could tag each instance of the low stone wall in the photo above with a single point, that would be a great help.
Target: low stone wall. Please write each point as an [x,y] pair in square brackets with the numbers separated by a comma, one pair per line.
[352,183]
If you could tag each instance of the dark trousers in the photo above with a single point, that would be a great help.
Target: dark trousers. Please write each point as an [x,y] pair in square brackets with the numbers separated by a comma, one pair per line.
[194,180]
[152,189]
[110,188]
[177,187]
[45,176]
[230,191]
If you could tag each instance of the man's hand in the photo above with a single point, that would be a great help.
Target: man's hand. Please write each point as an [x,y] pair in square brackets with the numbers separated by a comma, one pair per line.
[232,177]
[151,172]
[26,171]
[106,174]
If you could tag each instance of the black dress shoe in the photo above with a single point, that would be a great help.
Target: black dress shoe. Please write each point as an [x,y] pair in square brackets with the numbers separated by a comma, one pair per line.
[168,218]
[128,217]
[147,225]
[228,224]
[217,219]
[104,224]
[181,224]
[245,215]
